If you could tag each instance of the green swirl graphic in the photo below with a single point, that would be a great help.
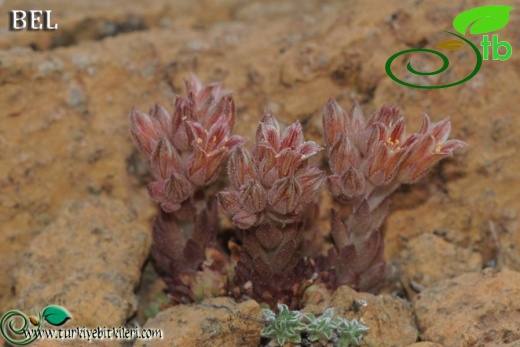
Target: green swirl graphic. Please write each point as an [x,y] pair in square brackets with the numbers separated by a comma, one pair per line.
[8,321]
[445,64]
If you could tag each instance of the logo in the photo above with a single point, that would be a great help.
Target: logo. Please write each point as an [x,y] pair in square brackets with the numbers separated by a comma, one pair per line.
[479,20]
[11,329]
[31,20]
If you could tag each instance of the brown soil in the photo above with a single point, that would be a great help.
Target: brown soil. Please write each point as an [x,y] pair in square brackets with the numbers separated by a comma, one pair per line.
[64,140]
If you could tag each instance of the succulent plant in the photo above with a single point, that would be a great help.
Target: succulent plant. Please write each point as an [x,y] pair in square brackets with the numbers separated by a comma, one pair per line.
[272,201]
[271,190]
[349,333]
[276,183]
[322,327]
[187,148]
[369,160]
[186,151]
[288,326]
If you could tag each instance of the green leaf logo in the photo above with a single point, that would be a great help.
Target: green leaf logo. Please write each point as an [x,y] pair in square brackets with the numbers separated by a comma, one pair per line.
[56,315]
[482,20]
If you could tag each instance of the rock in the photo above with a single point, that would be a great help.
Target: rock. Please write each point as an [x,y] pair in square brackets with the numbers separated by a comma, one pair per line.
[428,258]
[474,309]
[424,344]
[88,261]
[390,320]
[214,322]
[64,115]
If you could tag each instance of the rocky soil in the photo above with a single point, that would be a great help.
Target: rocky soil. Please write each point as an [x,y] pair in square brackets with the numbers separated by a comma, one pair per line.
[75,217]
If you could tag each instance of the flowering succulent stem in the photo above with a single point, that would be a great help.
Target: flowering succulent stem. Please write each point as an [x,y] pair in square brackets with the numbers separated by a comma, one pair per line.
[369,160]
[272,201]
[271,190]
[378,194]
[186,151]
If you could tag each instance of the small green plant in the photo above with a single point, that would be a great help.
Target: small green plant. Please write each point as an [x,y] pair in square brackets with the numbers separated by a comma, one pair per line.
[349,332]
[322,327]
[288,326]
